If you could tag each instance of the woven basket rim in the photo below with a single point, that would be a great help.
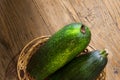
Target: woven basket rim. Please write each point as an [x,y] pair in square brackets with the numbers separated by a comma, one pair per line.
[29,50]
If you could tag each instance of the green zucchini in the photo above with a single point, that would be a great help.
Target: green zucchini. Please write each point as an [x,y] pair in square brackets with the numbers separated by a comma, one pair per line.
[84,67]
[61,48]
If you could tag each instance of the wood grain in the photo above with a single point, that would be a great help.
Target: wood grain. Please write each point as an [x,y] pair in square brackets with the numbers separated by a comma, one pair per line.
[23,20]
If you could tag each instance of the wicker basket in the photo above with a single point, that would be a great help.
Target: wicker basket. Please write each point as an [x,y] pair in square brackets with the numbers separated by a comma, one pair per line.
[30,49]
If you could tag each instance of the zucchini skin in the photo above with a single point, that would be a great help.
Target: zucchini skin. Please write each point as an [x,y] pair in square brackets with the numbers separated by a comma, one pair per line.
[85,67]
[61,48]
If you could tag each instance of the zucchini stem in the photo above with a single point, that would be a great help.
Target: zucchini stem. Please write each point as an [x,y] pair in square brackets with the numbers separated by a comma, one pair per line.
[103,53]
[83,29]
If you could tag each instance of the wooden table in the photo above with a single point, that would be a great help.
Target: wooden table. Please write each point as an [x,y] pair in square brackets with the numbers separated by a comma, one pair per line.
[23,20]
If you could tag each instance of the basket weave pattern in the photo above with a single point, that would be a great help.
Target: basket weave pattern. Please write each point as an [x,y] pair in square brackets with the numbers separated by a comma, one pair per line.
[27,53]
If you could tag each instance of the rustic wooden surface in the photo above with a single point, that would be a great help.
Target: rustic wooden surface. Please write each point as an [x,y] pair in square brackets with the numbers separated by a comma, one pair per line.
[23,20]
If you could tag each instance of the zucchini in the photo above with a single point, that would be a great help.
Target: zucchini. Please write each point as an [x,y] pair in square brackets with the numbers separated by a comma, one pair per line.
[84,67]
[61,48]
